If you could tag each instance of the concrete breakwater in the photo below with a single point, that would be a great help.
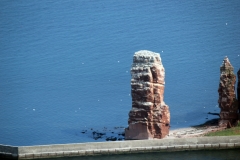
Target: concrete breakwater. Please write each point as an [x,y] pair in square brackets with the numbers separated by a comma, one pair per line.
[119,147]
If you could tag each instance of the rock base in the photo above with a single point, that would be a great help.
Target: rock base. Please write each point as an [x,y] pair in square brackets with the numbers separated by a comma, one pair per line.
[149,130]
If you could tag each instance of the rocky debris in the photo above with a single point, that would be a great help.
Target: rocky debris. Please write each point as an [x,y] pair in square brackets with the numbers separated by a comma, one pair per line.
[227,97]
[121,134]
[115,134]
[112,138]
[149,117]
[192,132]
[97,135]
[84,131]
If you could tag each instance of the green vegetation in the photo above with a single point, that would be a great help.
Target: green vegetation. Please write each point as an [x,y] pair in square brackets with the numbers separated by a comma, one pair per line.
[227,132]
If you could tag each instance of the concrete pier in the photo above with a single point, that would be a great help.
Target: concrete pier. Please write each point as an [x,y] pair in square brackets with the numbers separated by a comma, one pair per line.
[119,147]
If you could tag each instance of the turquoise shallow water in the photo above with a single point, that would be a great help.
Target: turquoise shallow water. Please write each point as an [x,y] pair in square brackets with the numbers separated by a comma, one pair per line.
[65,65]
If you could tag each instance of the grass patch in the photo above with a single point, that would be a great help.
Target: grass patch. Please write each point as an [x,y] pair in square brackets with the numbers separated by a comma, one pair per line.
[227,132]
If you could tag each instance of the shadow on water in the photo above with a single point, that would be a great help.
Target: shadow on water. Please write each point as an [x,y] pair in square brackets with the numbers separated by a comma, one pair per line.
[190,155]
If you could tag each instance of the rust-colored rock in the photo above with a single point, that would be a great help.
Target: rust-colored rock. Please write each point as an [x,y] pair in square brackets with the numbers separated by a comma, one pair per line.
[227,97]
[149,117]
[238,92]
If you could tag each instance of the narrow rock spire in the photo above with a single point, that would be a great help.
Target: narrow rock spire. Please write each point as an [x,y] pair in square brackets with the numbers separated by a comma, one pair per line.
[227,97]
[238,92]
[149,117]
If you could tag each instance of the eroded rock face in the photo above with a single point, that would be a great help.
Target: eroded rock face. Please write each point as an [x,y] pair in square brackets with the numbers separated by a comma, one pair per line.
[227,97]
[149,117]
[238,92]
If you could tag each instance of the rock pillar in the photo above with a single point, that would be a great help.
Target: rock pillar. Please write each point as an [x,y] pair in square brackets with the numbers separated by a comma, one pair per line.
[227,97]
[238,92]
[149,117]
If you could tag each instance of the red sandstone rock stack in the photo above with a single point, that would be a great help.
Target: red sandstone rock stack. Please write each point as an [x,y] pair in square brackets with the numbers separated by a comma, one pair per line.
[238,92]
[227,97]
[149,117]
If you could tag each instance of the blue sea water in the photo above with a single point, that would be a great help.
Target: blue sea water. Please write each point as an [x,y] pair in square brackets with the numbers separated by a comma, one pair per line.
[65,65]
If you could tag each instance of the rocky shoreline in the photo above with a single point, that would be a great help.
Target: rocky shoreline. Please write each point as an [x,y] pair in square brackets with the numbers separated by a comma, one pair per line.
[192,132]
[195,131]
